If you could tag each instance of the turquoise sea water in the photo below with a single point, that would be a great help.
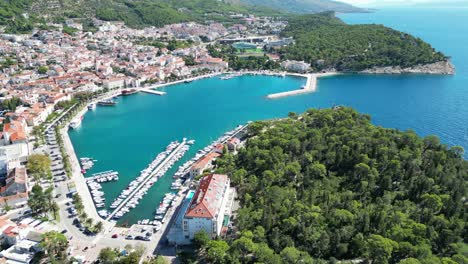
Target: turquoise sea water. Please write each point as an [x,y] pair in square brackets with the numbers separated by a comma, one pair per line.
[127,137]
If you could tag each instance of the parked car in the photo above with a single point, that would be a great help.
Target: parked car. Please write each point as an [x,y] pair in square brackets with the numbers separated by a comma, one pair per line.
[129,237]
[115,236]
[27,212]
[89,233]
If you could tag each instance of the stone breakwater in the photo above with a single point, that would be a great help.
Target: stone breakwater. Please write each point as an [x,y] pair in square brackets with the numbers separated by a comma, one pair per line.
[441,68]
[311,85]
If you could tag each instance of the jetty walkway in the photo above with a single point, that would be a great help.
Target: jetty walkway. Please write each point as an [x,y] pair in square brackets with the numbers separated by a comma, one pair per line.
[150,175]
[311,85]
[151,91]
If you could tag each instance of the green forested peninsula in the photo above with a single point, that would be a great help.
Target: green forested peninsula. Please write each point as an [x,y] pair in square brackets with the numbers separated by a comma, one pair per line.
[327,42]
[328,185]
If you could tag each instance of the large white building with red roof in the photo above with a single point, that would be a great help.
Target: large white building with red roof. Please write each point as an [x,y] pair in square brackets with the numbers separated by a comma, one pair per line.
[207,208]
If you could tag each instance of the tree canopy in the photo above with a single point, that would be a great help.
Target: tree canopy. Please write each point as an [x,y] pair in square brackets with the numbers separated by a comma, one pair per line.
[330,185]
[39,166]
[55,245]
[327,42]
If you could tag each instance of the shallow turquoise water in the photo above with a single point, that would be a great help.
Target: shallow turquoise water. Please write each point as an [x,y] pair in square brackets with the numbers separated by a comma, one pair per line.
[127,137]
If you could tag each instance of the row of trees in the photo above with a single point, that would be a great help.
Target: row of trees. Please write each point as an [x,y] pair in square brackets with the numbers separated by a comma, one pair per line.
[329,185]
[87,221]
[326,42]
[41,201]
[132,256]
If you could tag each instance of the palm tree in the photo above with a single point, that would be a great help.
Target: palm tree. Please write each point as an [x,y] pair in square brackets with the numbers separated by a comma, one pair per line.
[98,227]
[55,245]
[54,208]
[83,216]
[79,207]
[89,222]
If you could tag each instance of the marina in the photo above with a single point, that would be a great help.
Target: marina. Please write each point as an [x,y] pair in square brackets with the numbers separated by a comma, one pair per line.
[86,164]
[130,197]
[181,176]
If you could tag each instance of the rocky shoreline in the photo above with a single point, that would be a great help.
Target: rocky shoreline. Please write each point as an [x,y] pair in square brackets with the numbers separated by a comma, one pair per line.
[437,68]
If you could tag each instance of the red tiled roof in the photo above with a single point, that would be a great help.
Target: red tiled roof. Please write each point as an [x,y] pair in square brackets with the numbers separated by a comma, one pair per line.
[9,231]
[207,200]
[16,131]
[205,160]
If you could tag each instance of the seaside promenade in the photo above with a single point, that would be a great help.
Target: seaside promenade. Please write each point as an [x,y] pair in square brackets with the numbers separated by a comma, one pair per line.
[80,181]
[156,86]
[311,85]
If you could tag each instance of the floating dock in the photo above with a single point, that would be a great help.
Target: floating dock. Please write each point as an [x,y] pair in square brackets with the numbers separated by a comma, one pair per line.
[150,175]
[102,175]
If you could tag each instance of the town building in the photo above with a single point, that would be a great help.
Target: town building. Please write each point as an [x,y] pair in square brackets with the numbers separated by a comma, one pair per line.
[203,164]
[207,209]
[296,66]
[14,133]
[14,191]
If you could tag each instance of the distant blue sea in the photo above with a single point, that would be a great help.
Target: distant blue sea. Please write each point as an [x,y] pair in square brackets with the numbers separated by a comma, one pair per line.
[128,136]
[435,105]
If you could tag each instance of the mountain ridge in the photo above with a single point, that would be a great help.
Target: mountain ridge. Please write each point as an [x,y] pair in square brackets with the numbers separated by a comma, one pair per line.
[307,6]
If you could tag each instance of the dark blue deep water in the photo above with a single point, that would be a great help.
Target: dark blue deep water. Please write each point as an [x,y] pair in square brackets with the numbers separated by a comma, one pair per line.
[429,105]
[126,137]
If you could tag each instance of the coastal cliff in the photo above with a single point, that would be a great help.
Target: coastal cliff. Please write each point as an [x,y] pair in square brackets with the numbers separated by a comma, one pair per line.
[441,67]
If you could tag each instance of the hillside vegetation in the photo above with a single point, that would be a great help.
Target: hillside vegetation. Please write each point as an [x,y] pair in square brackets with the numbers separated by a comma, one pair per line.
[306,6]
[326,42]
[330,185]
[135,13]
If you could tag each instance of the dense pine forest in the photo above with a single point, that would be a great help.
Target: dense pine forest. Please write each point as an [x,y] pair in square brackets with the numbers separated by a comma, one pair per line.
[326,42]
[328,185]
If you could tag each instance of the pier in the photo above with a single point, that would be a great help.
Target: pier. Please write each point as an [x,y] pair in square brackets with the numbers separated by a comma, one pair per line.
[151,91]
[310,87]
[150,175]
